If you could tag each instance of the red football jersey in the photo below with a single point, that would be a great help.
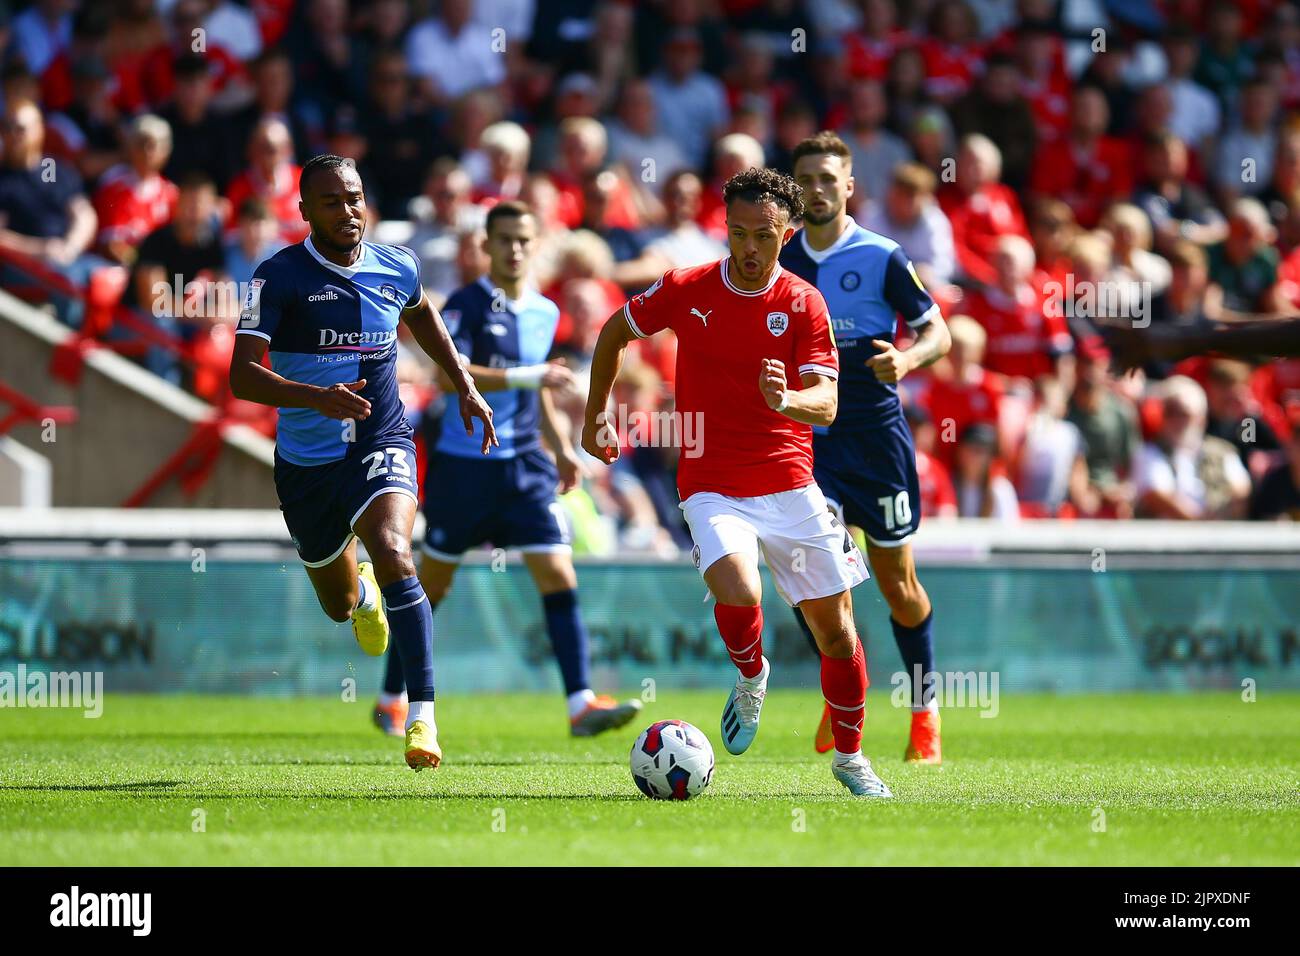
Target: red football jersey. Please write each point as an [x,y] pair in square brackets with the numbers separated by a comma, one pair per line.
[281,196]
[953,405]
[1025,337]
[1086,182]
[979,221]
[938,498]
[129,208]
[723,335]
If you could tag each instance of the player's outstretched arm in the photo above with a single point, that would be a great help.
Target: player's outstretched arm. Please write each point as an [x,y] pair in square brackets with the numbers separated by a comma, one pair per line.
[815,404]
[547,375]
[1277,338]
[605,365]
[253,382]
[431,334]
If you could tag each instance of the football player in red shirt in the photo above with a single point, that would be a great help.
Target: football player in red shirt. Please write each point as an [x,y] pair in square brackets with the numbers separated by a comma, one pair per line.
[746,328]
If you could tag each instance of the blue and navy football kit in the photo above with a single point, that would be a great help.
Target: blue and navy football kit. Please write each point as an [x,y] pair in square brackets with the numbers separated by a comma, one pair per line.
[329,324]
[506,497]
[865,462]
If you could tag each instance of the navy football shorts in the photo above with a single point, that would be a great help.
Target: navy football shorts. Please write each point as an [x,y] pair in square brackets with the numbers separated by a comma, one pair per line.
[322,502]
[507,502]
[869,480]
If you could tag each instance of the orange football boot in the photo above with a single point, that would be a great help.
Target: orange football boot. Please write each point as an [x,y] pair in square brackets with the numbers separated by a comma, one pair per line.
[602,714]
[391,718]
[825,739]
[923,746]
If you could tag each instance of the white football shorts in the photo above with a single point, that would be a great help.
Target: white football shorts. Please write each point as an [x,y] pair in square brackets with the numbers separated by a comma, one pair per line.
[808,550]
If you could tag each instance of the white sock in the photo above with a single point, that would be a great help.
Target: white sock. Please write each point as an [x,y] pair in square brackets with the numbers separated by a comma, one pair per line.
[579,700]
[932,707]
[759,682]
[367,601]
[847,758]
[421,710]
[386,698]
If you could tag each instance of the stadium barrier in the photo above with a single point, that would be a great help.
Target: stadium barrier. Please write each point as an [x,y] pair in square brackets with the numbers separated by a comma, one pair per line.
[217,602]
[128,421]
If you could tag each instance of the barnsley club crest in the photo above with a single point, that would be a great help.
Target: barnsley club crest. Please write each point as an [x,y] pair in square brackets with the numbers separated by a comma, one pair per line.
[777,323]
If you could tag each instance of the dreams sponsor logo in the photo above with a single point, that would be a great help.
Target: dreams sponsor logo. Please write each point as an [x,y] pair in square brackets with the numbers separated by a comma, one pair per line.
[332,338]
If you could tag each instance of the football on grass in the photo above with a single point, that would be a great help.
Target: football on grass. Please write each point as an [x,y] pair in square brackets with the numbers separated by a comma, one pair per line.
[672,760]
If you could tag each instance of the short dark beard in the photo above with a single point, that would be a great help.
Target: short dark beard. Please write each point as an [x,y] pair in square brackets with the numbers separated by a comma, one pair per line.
[810,217]
[323,239]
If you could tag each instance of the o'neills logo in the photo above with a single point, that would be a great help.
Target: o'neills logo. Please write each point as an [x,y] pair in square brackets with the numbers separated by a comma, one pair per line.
[334,338]
[329,295]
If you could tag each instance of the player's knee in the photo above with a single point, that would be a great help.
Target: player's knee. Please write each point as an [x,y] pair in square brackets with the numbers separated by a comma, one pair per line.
[392,558]
[737,593]
[838,641]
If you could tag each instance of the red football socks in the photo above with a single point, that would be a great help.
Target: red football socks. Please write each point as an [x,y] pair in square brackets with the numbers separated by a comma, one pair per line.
[742,631]
[844,685]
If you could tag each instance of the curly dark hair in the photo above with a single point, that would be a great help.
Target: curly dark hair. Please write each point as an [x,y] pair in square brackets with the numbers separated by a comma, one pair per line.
[761,186]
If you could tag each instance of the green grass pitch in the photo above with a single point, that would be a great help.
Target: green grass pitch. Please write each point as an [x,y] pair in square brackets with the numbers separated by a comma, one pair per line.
[1196,779]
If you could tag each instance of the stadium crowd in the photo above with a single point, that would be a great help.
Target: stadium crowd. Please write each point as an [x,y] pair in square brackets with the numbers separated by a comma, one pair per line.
[1046,165]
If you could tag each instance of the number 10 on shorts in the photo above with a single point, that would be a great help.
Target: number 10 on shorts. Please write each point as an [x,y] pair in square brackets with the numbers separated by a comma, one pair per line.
[897,510]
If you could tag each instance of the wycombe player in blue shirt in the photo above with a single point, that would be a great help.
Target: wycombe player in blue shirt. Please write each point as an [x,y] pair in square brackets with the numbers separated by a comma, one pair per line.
[327,310]
[865,462]
[504,329]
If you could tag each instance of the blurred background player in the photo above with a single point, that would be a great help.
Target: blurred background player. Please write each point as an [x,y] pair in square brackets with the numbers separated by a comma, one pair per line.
[504,328]
[865,462]
[327,309]
[752,485]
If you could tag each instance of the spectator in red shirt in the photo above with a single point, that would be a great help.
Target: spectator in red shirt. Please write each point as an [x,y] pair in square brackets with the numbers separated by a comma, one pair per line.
[733,153]
[871,50]
[134,31]
[980,208]
[271,176]
[89,44]
[157,68]
[583,146]
[938,499]
[953,54]
[752,83]
[133,198]
[969,393]
[1026,339]
[1087,169]
[1044,82]
[1051,229]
